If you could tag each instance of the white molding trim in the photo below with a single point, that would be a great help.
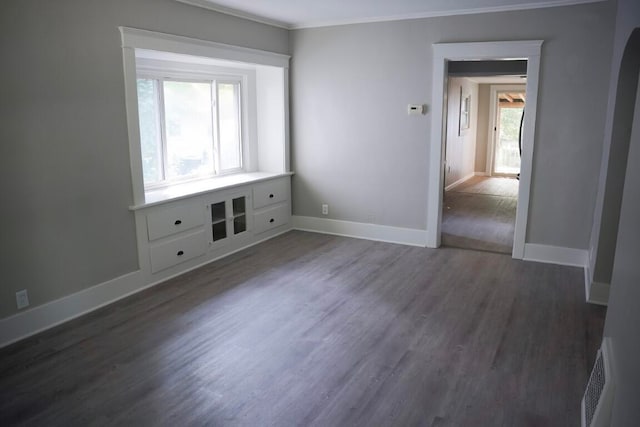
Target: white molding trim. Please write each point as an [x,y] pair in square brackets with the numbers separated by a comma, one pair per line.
[37,319]
[555,255]
[481,174]
[458,182]
[444,52]
[595,292]
[40,318]
[136,38]
[360,230]
[418,15]
[205,4]
[468,11]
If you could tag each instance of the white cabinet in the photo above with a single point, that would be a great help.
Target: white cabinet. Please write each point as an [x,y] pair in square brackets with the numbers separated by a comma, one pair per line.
[177,250]
[229,217]
[178,235]
[272,217]
[272,208]
[270,192]
[164,222]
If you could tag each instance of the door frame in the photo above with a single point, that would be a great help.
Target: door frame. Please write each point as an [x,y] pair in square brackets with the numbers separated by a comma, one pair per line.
[493,121]
[443,53]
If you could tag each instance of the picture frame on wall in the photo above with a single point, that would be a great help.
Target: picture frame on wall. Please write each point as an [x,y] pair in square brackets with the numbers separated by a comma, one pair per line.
[465,113]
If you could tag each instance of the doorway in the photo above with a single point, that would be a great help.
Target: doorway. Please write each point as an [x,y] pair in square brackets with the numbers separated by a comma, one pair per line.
[482,162]
[506,141]
[443,54]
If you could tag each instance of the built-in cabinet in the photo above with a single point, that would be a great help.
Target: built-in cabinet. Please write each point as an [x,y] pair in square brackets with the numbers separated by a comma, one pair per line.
[177,235]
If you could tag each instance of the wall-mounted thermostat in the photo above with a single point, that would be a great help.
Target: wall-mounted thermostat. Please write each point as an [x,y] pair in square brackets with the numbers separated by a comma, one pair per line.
[415,109]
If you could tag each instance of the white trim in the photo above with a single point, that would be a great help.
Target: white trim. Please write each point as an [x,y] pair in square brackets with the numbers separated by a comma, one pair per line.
[480,174]
[555,255]
[460,181]
[135,38]
[360,230]
[38,319]
[595,292]
[206,4]
[258,60]
[42,317]
[469,11]
[444,52]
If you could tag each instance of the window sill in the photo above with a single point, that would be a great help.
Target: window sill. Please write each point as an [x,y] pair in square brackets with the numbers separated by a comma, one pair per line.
[195,188]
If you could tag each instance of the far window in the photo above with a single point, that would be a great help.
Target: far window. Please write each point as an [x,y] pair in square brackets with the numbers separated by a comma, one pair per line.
[189,129]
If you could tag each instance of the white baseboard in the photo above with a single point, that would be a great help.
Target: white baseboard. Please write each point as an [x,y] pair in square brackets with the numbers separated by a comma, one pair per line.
[382,233]
[481,174]
[555,255]
[458,182]
[595,292]
[40,318]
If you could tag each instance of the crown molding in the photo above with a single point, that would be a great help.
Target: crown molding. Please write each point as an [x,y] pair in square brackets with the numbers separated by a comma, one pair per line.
[206,4]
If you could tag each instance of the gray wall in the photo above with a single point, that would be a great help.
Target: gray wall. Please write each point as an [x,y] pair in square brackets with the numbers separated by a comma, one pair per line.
[460,144]
[64,153]
[623,316]
[355,148]
[614,155]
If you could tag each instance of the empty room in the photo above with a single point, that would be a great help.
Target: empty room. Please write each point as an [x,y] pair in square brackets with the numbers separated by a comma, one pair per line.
[239,213]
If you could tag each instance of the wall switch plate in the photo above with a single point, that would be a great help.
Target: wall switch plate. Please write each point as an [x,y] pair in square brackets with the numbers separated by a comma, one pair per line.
[415,109]
[22,299]
[325,209]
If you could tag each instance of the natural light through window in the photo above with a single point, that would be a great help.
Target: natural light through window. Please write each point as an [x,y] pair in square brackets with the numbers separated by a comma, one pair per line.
[189,129]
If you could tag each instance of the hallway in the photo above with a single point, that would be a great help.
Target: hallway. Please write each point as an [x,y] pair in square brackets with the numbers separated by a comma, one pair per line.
[480,214]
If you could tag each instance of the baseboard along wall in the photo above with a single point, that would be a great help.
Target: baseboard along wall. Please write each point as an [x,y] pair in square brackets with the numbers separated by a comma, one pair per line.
[458,182]
[40,318]
[595,292]
[359,230]
[46,316]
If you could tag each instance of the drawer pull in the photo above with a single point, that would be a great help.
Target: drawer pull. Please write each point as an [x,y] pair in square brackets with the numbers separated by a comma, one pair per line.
[180,253]
[178,222]
[271,196]
[271,220]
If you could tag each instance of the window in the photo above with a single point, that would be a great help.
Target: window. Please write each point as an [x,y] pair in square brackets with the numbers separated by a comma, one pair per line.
[190,128]
[197,109]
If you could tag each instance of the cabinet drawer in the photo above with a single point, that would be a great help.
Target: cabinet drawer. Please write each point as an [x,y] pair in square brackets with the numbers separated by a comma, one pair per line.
[271,218]
[173,252]
[270,192]
[167,221]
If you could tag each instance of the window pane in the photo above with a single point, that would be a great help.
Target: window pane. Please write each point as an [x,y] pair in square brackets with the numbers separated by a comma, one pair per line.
[150,145]
[229,122]
[188,120]
[507,147]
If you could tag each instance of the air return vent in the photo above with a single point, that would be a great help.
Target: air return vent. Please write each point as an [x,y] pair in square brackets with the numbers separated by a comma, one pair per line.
[598,397]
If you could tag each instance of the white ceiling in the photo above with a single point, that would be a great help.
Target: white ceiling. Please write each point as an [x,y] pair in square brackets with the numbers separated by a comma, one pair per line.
[318,13]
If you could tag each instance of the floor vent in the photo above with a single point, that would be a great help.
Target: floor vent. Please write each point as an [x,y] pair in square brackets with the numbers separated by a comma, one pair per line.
[598,397]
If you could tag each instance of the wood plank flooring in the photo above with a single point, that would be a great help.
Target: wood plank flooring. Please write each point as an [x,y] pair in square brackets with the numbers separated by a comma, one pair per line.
[480,214]
[309,329]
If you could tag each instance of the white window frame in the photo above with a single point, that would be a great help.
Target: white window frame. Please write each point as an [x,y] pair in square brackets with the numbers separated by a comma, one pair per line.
[266,151]
[154,70]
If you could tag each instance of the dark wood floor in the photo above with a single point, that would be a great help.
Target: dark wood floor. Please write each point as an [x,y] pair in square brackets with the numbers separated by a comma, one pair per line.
[309,329]
[480,214]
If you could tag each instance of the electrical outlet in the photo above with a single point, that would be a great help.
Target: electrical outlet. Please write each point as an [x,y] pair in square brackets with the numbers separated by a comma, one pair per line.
[325,209]
[22,299]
